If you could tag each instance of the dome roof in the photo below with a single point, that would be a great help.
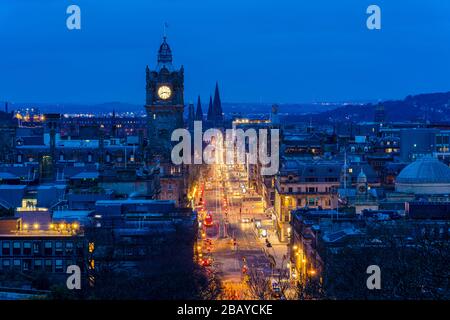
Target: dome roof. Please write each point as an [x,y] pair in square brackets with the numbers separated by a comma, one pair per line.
[426,170]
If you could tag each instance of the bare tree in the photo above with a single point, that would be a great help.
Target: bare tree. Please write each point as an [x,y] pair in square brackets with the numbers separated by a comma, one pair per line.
[258,283]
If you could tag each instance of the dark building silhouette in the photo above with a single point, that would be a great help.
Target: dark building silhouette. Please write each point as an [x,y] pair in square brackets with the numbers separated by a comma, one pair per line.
[217,105]
[380,114]
[215,112]
[210,115]
[164,102]
[199,111]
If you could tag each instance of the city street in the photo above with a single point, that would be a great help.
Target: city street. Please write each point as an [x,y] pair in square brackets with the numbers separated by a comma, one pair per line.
[234,247]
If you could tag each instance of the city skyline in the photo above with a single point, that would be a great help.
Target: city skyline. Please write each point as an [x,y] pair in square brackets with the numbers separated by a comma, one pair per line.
[252,153]
[283,51]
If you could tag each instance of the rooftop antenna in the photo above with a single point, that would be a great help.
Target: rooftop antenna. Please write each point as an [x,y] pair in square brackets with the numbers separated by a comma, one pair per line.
[165,30]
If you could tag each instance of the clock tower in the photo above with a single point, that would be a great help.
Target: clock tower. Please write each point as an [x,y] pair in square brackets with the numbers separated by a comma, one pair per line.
[164,103]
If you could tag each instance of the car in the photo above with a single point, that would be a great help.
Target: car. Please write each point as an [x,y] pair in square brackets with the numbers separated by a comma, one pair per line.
[206,262]
[245,220]
[276,290]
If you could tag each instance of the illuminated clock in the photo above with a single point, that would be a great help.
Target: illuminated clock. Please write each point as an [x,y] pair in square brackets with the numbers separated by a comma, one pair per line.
[164,92]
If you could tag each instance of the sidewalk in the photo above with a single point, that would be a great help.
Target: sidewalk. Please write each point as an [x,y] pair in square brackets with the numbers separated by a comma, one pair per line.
[279,251]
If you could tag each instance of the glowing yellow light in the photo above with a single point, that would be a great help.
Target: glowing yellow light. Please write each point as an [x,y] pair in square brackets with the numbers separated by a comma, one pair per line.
[304,260]
[91,247]
[52,226]
[295,247]
[75,226]
[25,226]
[36,226]
[62,226]
[312,272]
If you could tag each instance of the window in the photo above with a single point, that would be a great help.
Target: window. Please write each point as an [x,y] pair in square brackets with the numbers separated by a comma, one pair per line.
[6,264]
[37,264]
[58,265]
[69,248]
[16,264]
[16,248]
[58,248]
[69,263]
[27,248]
[48,248]
[36,248]
[26,264]
[48,265]
[6,248]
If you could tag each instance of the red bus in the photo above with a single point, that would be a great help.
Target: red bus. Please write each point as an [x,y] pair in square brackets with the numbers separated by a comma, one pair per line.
[208,220]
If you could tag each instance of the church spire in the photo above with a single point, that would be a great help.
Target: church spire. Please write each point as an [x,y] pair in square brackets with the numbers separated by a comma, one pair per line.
[211,115]
[191,114]
[217,104]
[199,111]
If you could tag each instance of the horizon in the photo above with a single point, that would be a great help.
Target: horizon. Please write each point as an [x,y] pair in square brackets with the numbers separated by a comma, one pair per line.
[343,102]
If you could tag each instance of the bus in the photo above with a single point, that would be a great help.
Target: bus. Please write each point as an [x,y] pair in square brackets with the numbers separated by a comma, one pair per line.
[208,220]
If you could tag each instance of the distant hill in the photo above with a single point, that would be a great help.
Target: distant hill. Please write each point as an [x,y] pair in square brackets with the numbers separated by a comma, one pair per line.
[229,108]
[102,108]
[434,107]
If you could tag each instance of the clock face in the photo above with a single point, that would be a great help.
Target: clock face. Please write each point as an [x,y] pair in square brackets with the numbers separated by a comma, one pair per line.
[164,92]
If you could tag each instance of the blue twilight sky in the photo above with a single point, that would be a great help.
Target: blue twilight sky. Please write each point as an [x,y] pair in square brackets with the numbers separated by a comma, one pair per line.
[259,50]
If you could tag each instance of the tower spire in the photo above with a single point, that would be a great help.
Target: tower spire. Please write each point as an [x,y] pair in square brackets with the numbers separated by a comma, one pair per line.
[199,111]
[164,53]
[217,104]
[210,116]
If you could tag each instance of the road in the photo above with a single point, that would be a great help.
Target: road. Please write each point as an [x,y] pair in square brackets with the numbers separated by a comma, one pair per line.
[234,245]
